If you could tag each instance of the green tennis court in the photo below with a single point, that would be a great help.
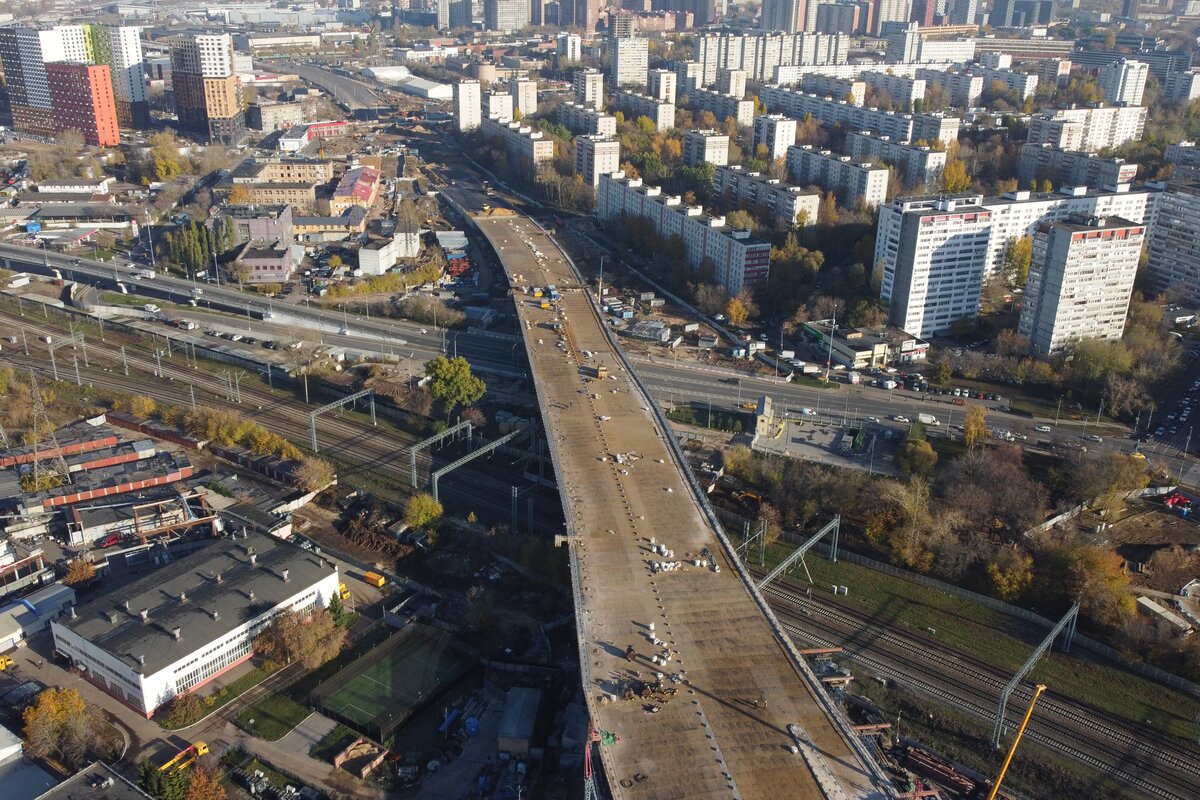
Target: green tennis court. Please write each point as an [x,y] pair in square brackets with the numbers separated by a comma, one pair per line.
[381,689]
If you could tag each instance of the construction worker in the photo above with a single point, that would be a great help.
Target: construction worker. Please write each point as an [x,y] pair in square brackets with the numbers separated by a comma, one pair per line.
[629,653]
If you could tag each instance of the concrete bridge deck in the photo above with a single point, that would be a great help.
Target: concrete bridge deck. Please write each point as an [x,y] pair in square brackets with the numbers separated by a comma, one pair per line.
[725,732]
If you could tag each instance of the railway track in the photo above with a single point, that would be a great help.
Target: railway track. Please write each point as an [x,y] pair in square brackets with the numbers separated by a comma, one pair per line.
[1159,767]
[485,486]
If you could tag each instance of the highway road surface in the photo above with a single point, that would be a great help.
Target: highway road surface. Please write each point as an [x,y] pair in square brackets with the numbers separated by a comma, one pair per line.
[725,731]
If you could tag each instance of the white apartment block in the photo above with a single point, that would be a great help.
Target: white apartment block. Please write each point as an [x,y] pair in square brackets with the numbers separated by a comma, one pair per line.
[794,74]
[207,54]
[586,120]
[661,84]
[1069,168]
[917,165]
[588,85]
[527,149]
[933,252]
[904,89]
[776,132]
[961,89]
[1174,249]
[996,60]
[1124,81]
[910,46]
[568,47]
[1088,129]
[525,95]
[739,259]
[635,104]
[852,90]
[759,53]
[789,16]
[904,127]
[852,181]
[722,106]
[505,16]
[937,252]
[731,82]
[705,145]
[788,205]
[495,104]
[1080,281]
[630,61]
[468,115]
[1023,84]
[596,156]
[688,76]
[1182,86]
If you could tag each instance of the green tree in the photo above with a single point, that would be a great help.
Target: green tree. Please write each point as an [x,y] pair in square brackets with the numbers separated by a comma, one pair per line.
[422,511]
[1095,359]
[955,177]
[975,426]
[337,610]
[452,382]
[942,373]
[311,638]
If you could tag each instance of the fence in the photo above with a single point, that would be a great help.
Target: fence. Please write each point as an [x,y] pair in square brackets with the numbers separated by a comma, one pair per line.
[1091,645]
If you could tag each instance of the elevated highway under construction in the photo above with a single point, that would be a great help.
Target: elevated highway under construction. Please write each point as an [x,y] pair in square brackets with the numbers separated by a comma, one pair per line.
[682,660]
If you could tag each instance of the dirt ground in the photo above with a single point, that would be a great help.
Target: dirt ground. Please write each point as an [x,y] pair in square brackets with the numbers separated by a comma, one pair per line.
[1166,545]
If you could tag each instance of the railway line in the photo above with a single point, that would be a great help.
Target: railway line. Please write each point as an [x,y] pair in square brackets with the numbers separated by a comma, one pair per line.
[483,486]
[1159,767]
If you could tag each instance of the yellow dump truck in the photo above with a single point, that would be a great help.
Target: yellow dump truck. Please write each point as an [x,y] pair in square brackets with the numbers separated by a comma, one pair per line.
[375,579]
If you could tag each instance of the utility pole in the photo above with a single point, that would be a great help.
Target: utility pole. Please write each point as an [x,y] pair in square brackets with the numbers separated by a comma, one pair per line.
[158,360]
[124,361]
[150,239]
[192,392]
[78,380]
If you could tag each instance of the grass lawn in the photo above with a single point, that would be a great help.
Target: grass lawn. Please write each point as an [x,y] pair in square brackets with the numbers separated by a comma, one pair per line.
[272,717]
[224,695]
[1006,642]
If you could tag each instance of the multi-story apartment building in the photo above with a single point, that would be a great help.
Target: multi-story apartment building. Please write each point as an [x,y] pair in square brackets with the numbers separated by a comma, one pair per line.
[661,85]
[586,120]
[917,165]
[635,104]
[852,90]
[1089,129]
[1174,242]
[274,116]
[527,149]
[495,104]
[852,181]
[1022,83]
[208,92]
[759,53]
[285,170]
[1080,281]
[596,156]
[688,76]
[568,47]
[505,16]
[81,96]
[705,145]
[468,111]
[789,16]
[842,17]
[630,61]
[936,252]
[24,53]
[786,204]
[588,85]
[909,45]
[903,89]
[722,106]
[776,133]
[904,127]
[1069,168]
[525,95]
[1182,86]
[120,47]
[731,82]
[1124,81]
[739,259]
[960,89]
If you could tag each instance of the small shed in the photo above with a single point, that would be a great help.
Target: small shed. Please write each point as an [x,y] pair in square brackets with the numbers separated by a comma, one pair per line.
[516,725]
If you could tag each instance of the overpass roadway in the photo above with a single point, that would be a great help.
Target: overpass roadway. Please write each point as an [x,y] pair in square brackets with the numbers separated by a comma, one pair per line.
[351,93]
[740,683]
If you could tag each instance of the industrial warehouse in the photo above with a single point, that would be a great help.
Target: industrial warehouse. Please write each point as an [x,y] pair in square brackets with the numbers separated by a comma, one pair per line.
[179,626]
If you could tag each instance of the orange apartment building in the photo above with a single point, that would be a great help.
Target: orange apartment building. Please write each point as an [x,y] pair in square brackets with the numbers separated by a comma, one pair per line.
[81,96]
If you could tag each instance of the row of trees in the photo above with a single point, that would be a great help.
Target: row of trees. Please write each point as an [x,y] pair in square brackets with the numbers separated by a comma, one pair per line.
[196,247]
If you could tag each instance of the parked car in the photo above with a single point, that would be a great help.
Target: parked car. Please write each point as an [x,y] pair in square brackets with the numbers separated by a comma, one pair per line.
[1043,429]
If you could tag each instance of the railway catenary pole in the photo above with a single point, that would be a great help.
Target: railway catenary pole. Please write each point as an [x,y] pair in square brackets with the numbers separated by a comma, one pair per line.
[1067,624]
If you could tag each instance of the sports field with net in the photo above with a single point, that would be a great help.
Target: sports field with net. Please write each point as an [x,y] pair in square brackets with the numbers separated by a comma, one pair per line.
[384,687]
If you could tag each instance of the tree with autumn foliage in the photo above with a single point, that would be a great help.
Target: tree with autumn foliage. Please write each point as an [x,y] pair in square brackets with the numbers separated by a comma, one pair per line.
[955,177]
[79,571]
[204,784]
[62,726]
[312,639]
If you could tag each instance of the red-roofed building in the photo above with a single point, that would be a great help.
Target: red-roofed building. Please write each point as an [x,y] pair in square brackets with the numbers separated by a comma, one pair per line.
[358,187]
